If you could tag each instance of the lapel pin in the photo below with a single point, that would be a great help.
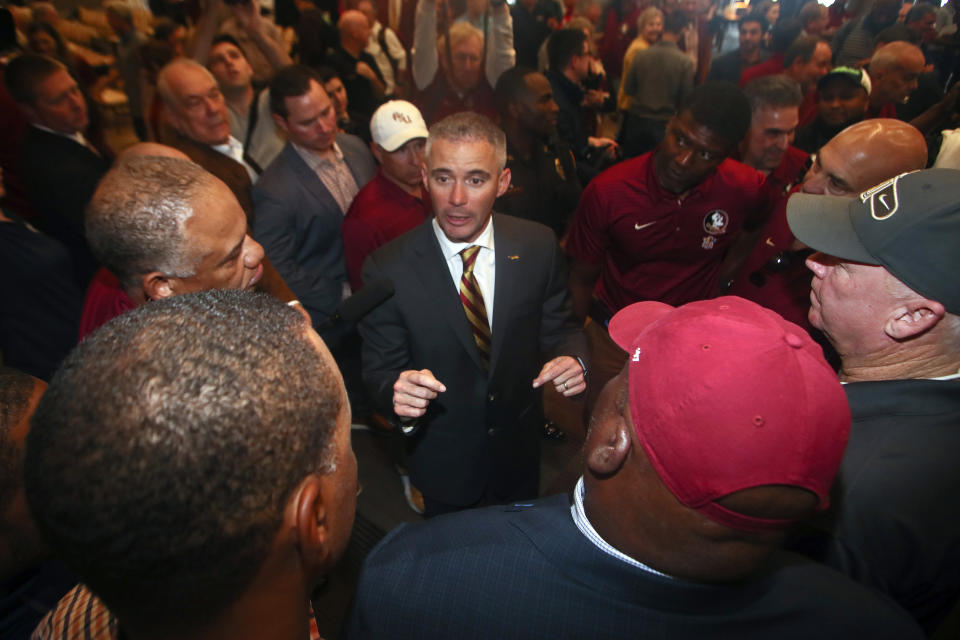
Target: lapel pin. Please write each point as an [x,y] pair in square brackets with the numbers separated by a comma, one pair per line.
[513,257]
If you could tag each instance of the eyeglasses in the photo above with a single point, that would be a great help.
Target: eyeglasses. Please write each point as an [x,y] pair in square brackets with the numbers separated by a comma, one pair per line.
[778,264]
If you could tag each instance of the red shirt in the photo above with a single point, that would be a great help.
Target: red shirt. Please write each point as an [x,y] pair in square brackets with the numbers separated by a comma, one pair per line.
[380,212]
[782,285]
[808,108]
[888,110]
[105,301]
[788,172]
[649,244]
[769,67]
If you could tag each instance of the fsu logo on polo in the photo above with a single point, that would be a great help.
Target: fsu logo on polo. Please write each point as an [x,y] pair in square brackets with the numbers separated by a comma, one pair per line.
[715,222]
[883,198]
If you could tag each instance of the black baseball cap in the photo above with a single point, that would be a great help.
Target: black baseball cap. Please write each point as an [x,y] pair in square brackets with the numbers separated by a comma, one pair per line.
[908,225]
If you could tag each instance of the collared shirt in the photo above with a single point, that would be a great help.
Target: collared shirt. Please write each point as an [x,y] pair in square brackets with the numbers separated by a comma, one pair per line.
[233,149]
[583,524]
[77,137]
[652,245]
[333,173]
[484,269]
[381,212]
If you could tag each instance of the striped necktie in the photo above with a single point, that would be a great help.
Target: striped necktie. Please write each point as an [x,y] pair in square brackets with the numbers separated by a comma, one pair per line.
[473,305]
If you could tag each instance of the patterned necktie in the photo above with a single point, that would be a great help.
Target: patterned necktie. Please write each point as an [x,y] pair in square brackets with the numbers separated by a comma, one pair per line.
[473,305]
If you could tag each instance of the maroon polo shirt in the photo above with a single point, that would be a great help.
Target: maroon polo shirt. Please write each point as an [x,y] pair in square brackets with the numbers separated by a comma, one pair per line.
[380,212]
[651,245]
[769,67]
[788,172]
[782,285]
[105,301]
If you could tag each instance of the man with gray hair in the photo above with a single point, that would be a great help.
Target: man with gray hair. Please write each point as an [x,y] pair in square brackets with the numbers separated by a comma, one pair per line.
[460,373]
[768,145]
[162,226]
[190,462]
[884,293]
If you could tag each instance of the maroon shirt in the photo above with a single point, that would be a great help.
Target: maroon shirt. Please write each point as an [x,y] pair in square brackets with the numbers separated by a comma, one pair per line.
[380,212]
[769,67]
[790,170]
[774,275]
[105,301]
[649,244]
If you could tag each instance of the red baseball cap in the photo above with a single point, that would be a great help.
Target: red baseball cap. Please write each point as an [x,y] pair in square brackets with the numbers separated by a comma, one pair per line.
[727,395]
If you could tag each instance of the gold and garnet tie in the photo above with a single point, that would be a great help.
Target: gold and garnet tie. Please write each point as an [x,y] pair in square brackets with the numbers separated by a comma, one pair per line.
[473,306]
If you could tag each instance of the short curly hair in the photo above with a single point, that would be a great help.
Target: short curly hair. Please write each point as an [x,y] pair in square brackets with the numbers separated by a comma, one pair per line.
[161,457]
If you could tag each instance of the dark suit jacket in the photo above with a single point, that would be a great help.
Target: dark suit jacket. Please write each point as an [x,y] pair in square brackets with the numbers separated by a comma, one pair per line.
[298,223]
[522,572]
[61,176]
[231,172]
[482,432]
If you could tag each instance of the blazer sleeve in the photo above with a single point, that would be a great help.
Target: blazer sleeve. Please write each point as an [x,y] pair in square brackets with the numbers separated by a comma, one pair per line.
[384,354]
[275,228]
[560,332]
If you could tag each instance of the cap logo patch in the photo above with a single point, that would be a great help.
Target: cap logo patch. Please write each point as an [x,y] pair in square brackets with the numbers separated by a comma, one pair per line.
[884,200]
[402,117]
[715,222]
[636,355]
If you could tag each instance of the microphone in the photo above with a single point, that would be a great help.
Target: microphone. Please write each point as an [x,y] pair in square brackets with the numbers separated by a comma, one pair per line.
[351,310]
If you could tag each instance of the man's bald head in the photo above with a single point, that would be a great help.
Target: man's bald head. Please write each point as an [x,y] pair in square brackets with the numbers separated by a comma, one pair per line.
[894,70]
[151,149]
[865,154]
[354,29]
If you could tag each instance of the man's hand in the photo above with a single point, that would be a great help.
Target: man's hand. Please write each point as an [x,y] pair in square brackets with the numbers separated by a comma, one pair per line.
[414,390]
[602,143]
[594,99]
[247,15]
[564,372]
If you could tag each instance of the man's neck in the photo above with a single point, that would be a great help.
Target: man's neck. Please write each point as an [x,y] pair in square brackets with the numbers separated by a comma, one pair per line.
[413,190]
[750,57]
[571,75]
[239,99]
[922,361]
[670,37]
[520,138]
[353,48]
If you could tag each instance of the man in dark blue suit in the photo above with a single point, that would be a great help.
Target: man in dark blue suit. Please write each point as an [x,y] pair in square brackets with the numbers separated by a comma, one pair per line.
[480,306]
[301,198]
[724,428]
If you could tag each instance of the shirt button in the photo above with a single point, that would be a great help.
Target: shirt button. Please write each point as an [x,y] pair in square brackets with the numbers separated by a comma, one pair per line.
[491,432]
[491,397]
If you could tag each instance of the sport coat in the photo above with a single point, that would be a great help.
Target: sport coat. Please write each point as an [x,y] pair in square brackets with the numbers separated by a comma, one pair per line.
[481,433]
[60,176]
[526,571]
[298,223]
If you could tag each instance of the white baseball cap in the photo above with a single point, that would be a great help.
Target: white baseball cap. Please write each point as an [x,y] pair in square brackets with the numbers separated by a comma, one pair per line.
[395,123]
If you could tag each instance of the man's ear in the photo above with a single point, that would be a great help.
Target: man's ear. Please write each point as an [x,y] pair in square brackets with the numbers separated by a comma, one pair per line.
[280,122]
[156,286]
[504,182]
[310,510]
[423,177]
[608,444]
[913,318]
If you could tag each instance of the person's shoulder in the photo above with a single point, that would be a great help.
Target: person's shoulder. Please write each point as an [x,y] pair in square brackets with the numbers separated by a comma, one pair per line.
[529,230]
[278,172]
[353,144]
[396,252]
[629,172]
[829,604]
[737,175]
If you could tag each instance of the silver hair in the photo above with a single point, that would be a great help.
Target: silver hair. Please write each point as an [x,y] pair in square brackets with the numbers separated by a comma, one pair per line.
[136,220]
[166,93]
[468,125]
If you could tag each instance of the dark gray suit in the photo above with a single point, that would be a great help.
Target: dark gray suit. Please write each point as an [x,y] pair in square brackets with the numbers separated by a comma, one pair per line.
[298,223]
[480,436]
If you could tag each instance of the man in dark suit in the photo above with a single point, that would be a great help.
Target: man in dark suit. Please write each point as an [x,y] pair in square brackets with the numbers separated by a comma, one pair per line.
[464,385]
[723,428]
[301,198]
[60,166]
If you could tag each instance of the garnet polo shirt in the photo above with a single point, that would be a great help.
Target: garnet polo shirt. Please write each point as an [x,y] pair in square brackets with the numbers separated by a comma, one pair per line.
[651,245]
[380,212]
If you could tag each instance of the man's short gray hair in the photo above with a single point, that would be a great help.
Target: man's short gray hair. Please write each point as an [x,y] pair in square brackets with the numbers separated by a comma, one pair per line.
[776,92]
[473,127]
[137,217]
[170,99]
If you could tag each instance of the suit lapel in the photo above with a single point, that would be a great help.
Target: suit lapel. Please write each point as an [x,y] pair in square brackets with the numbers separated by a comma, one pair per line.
[310,180]
[432,270]
[351,159]
[508,261]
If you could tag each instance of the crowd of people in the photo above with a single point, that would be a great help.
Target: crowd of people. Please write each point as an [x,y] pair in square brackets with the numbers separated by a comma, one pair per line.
[737,262]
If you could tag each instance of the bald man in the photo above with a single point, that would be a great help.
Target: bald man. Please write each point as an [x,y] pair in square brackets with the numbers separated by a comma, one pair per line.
[357,69]
[857,158]
[894,70]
